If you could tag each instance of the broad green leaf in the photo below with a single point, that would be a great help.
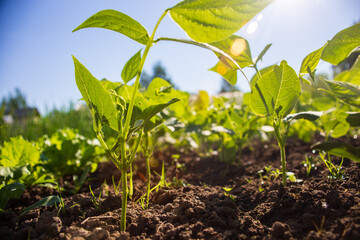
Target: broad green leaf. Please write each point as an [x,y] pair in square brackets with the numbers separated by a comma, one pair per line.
[96,96]
[346,92]
[311,60]
[323,103]
[154,90]
[339,149]
[108,85]
[214,20]
[11,191]
[310,116]
[131,67]
[18,152]
[335,124]
[226,71]
[276,92]
[350,76]
[152,110]
[342,44]
[254,79]
[266,48]
[118,22]
[47,201]
[237,48]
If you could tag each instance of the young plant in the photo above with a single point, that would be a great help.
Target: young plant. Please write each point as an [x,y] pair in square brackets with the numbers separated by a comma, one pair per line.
[126,115]
[274,94]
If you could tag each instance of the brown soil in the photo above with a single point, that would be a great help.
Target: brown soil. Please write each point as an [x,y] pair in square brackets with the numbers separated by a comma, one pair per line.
[196,206]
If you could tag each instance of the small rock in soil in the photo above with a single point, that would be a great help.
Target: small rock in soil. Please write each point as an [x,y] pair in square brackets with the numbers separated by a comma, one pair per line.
[98,234]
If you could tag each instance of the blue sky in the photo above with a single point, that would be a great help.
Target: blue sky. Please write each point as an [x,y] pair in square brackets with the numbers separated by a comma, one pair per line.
[36,43]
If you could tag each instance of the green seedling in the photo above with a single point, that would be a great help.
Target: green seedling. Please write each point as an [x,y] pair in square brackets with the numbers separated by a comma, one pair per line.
[227,193]
[336,172]
[95,200]
[115,186]
[125,113]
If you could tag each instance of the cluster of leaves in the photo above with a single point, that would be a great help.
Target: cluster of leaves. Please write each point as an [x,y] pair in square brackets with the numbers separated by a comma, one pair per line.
[24,164]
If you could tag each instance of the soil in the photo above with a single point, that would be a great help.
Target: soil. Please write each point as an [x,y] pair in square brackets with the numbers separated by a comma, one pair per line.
[196,206]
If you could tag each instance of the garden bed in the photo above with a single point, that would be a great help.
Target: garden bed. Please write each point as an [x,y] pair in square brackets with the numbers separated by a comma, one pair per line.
[196,206]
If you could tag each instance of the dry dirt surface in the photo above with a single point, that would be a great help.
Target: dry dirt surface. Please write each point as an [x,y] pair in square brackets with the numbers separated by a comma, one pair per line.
[196,206]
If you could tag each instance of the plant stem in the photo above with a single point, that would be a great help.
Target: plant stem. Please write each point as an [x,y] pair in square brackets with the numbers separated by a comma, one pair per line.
[281,142]
[126,128]
[206,46]
[124,185]
[136,84]
[148,173]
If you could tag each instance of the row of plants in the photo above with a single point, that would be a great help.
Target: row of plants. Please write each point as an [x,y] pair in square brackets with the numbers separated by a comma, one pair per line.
[272,106]
[45,163]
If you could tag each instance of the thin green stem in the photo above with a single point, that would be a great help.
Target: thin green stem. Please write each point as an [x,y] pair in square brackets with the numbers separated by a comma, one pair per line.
[281,142]
[124,185]
[148,172]
[206,46]
[127,126]
[137,81]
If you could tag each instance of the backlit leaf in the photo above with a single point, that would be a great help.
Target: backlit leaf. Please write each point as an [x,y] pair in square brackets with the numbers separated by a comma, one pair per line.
[226,71]
[214,20]
[266,48]
[311,60]
[237,48]
[131,67]
[96,96]
[254,79]
[276,92]
[352,75]
[18,152]
[342,44]
[346,92]
[118,22]
[339,149]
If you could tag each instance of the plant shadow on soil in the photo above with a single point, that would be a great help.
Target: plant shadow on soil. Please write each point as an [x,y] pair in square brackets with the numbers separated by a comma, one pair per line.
[255,208]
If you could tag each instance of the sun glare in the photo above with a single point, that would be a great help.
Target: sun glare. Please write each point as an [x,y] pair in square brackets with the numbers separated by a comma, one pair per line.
[238,46]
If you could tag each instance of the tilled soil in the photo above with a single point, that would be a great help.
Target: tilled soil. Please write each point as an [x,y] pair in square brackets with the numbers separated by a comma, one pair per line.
[196,206]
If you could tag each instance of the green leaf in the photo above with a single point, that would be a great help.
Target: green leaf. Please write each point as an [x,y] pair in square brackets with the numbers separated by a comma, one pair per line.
[11,191]
[202,101]
[350,76]
[154,90]
[18,152]
[263,53]
[96,97]
[311,60]
[131,67]
[346,92]
[108,85]
[226,71]
[214,20]
[276,92]
[118,22]
[310,116]
[237,48]
[47,201]
[342,44]
[152,110]
[254,79]
[339,149]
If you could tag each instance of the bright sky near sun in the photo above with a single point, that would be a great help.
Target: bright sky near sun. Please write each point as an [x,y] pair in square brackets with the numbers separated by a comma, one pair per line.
[36,43]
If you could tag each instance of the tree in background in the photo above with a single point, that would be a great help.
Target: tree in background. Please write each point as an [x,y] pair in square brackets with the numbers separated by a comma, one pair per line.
[227,87]
[14,102]
[157,71]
